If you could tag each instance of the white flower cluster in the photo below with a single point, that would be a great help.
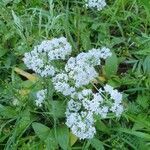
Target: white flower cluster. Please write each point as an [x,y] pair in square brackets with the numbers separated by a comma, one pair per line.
[79,71]
[98,4]
[72,81]
[81,124]
[60,82]
[116,97]
[41,57]
[81,74]
[81,68]
[85,105]
[40,95]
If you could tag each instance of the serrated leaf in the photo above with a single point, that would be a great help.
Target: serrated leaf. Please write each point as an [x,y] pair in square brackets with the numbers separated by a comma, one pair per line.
[139,134]
[143,101]
[141,119]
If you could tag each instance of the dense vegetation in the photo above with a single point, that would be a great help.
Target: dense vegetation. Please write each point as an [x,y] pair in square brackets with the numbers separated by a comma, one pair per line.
[123,26]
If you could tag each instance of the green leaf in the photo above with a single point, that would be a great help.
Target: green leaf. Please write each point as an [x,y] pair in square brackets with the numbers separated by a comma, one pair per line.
[146,65]
[41,130]
[46,135]
[97,144]
[145,51]
[73,139]
[141,119]
[85,39]
[51,142]
[101,126]
[63,137]
[2,51]
[139,134]
[21,125]
[7,112]
[111,65]
[143,101]
[17,21]
[57,109]
[146,4]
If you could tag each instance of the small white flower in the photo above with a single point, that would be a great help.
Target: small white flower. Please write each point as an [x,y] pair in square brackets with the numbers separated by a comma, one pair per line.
[103,111]
[80,113]
[74,106]
[15,102]
[73,81]
[41,57]
[117,108]
[81,124]
[105,53]
[108,88]
[116,96]
[81,68]
[115,99]
[98,97]
[60,82]
[87,92]
[41,95]
[70,64]
[98,4]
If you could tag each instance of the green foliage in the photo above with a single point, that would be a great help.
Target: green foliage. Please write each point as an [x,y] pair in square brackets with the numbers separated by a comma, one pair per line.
[97,144]
[63,137]
[41,130]
[7,112]
[123,26]
[46,135]
[57,109]
[111,66]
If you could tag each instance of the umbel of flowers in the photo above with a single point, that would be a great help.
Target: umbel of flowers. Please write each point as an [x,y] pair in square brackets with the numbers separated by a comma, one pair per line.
[73,81]
[98,4]
[41,57]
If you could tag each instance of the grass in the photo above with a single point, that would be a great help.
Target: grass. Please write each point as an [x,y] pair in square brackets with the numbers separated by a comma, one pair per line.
[123,26]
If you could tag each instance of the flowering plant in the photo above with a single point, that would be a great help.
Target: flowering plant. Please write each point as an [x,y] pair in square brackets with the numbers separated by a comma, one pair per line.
[85,102]
[72,93]
[98,4]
